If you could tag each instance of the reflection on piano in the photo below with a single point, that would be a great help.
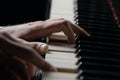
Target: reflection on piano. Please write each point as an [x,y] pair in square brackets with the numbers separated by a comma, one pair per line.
[99,54]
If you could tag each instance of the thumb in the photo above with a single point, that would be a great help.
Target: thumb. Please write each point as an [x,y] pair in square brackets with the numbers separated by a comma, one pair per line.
[13,47]
[40,47]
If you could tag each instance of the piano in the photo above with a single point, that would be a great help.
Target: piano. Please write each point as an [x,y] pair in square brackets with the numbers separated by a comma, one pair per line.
[96,57]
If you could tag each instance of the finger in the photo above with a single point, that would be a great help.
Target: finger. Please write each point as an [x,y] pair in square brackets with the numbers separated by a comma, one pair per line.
[40,47]
[67,27]
[78,30]
[58,26]
[25,53]
[69,32]
[31,69]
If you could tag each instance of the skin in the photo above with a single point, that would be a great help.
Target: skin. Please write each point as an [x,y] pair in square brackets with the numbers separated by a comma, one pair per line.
[15,42]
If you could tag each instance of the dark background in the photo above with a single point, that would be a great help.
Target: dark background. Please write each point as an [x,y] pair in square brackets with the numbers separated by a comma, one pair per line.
[18,11]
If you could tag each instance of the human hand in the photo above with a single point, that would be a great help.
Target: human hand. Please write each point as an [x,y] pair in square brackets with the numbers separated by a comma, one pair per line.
[60,25]
[32,51]
[40,29]
[15,56]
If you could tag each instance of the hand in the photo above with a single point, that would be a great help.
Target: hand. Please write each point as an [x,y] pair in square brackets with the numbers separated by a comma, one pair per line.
[40,29]
[15,55]
[31,51]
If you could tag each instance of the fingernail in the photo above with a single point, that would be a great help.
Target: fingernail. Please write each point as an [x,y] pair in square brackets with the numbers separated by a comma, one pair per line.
[43,48]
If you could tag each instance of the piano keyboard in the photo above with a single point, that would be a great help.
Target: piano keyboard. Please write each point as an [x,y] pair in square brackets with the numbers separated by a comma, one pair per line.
[63,58]
[59,76]
[99,54]
[96,57]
